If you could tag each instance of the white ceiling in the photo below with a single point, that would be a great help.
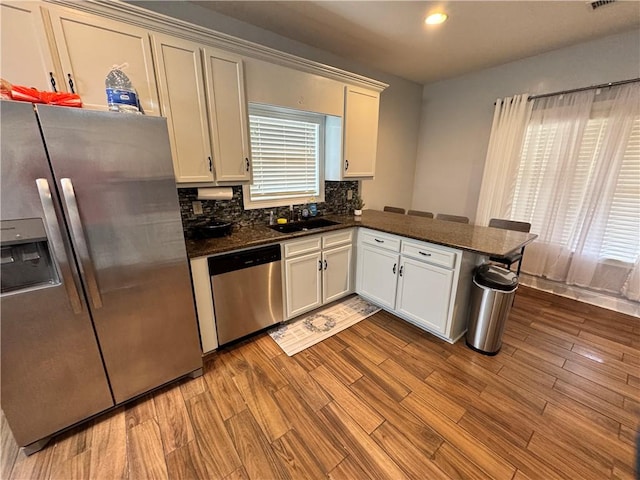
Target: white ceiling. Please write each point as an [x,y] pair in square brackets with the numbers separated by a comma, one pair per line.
[390,35]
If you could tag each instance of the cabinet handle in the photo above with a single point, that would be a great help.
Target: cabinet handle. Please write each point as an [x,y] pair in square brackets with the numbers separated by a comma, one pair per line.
[401,268]
[247,161]
[346,165]
[53,82]
[71,83]
[325,264]
[378,240]
[320,265]
[424,253]
[210,165]
[394,268]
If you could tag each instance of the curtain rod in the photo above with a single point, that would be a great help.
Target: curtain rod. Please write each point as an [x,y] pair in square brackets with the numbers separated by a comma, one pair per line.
[593,87]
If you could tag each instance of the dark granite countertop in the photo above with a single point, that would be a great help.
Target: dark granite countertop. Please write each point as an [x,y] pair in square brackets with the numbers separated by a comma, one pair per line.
[482,240]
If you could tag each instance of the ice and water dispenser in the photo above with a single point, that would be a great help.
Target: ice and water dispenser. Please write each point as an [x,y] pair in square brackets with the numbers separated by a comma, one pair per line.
[26,261]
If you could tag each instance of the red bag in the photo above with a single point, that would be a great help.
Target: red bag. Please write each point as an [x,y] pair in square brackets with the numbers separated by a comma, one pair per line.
[28,94]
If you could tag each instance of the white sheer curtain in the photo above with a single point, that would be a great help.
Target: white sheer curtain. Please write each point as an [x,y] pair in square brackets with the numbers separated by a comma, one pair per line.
[577,185]
[510,119]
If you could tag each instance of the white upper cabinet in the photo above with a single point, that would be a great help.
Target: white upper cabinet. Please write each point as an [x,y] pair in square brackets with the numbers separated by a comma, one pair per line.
[202,95]
[228,115]
[186,75]
[360,132]
[88,46]
[272,84]
[26,58]
[352,155]
[183,101]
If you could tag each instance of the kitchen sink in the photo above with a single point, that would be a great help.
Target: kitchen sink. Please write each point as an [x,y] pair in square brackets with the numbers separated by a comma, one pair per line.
[303,225]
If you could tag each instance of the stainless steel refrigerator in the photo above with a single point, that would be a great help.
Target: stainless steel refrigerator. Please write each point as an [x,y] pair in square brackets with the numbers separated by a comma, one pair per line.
[96,302]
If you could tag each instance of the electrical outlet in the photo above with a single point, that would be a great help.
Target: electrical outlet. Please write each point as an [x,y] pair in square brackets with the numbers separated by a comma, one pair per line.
[197,207]
[349,194]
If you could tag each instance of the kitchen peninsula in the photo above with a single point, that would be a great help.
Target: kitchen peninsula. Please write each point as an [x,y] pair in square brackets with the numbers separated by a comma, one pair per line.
[417,268]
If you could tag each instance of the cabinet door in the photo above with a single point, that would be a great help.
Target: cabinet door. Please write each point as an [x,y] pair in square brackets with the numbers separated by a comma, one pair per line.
[424,292]
[336,276]
[360,132]
[377,274]
[183,101]
[89,46]
[25,58]
[303,283]
[228,116]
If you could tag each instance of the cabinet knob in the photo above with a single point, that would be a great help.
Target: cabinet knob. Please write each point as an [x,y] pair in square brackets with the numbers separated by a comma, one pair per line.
[247,162]
[346,165]
[320,265]
[401,268]
[210,165]
[71,83]
[378,240]
[394,268]
[53,82]
[325,264]
[424,253]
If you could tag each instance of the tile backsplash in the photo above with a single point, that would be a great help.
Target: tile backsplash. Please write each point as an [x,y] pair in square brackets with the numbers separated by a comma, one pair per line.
[335,194]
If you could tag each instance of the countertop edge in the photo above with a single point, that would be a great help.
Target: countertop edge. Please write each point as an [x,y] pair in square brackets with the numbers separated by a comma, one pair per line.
[265,236]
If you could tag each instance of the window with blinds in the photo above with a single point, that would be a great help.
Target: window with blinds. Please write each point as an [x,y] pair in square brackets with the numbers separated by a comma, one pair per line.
[286,152]
[532,192]
[623,228]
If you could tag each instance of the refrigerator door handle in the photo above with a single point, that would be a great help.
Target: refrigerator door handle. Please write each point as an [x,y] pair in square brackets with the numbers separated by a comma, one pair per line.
[86,264]
[57,244]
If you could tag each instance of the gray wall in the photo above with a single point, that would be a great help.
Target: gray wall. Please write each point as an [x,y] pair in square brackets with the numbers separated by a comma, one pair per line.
[457,113]
[399,104]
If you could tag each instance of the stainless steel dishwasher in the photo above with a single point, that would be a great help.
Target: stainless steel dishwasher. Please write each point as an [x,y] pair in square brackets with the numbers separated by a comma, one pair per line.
[247,291]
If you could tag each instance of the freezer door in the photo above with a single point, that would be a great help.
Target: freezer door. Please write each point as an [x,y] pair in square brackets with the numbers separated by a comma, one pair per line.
[52,373]
[115,175]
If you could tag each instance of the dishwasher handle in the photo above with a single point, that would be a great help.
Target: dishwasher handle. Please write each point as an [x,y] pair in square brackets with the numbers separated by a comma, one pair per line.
[230,262]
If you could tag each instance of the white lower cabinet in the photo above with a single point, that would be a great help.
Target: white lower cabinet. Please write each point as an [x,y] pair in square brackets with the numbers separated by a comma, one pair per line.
[303,281]
[336,273]
[425,284]
[317,270]
[424,292]
[377,275]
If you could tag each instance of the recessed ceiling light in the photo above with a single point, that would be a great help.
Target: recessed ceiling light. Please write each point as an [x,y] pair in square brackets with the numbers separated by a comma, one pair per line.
[435,18]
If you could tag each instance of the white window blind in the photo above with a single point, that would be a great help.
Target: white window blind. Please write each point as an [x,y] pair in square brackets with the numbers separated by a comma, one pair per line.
[533,193]
[623,228]
[286,152]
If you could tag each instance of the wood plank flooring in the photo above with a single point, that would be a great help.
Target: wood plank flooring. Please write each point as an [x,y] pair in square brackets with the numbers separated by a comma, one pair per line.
[381,399]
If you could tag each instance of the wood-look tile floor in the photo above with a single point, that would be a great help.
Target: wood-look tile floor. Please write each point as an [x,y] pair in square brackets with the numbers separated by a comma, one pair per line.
[382,400]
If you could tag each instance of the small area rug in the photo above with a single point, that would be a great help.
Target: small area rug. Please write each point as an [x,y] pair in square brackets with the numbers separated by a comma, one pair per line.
[301,333]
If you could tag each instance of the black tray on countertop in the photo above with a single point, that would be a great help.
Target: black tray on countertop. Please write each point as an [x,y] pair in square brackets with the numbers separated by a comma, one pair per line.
[212,229]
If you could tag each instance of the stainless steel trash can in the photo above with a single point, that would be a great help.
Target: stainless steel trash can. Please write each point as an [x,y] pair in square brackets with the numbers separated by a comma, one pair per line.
[491,299]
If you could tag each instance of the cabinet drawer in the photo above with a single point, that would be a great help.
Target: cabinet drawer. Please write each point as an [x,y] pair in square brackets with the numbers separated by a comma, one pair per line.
[382,240]
[299,247]
[429,253]
[337,238]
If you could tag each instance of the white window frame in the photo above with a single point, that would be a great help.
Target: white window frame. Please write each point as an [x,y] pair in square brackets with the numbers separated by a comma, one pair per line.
[289,114]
